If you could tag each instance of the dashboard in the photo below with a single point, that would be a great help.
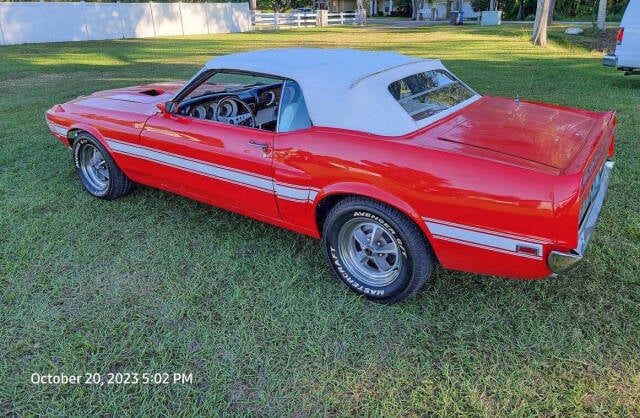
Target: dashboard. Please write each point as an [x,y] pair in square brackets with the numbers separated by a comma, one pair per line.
[254,106]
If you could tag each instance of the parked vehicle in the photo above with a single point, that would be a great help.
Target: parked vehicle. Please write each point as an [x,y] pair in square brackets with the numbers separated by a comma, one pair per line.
[627,54]
[392,161]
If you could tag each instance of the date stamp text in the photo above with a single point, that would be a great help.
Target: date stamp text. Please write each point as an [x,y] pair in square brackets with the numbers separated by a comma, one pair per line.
[106,379]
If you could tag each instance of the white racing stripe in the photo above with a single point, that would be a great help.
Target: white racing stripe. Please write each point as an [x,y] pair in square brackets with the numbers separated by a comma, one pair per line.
[295,193]
[292,193]
[263,183]
[483,238]
[54,127]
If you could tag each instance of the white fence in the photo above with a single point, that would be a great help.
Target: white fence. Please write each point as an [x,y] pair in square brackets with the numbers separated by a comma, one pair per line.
[282,20]
[27,22]
[298,20]
[342,18]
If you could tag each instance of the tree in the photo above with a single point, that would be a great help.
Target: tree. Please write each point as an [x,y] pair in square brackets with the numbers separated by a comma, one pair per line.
[416,5]
[539,36]
[281,5]
[552,6]
[602,15]
[520,15]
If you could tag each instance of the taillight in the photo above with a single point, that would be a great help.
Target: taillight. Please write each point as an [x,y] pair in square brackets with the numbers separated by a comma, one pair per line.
[613,139]
[620,35]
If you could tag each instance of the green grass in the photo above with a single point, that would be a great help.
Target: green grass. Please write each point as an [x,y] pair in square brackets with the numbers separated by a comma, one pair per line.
[157,283]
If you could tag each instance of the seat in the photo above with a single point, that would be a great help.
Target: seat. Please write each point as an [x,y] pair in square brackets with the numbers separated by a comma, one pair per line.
[293,111]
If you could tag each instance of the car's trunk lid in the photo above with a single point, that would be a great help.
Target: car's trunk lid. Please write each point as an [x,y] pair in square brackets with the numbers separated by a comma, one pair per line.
[544,134]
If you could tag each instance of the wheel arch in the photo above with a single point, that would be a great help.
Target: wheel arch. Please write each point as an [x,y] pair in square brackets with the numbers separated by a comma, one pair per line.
[330,196]
[74,130]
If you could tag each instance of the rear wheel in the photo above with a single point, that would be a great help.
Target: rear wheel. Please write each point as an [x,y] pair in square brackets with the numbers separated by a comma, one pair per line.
[376,250]
[99,173]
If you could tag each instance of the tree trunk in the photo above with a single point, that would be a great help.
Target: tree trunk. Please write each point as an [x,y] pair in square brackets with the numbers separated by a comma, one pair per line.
[552,6]
[520,11]
[602,15]
[539,36]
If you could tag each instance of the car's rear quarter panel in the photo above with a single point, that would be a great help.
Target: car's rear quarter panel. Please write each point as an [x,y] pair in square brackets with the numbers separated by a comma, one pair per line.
[430,184]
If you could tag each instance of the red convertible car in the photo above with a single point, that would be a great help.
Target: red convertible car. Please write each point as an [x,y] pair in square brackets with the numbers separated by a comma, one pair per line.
[391,160]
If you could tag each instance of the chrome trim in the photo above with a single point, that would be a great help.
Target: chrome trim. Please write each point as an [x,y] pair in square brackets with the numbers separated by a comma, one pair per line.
[591,218]
[561,261]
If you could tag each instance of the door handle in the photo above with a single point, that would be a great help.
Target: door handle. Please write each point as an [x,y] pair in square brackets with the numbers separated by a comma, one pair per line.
[262,145]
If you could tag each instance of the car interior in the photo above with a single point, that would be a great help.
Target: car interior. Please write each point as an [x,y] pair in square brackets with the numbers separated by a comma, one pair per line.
[248,100]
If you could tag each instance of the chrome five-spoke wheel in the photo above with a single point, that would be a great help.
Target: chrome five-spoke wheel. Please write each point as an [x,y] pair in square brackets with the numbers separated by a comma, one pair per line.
[376,250]
[369,252]
[94,168]
[99,173]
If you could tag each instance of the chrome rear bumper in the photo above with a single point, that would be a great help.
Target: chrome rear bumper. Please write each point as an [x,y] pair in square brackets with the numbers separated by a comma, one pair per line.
[560,261]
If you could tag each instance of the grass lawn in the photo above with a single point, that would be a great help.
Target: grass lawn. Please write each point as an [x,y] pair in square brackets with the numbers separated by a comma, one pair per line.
[155,283]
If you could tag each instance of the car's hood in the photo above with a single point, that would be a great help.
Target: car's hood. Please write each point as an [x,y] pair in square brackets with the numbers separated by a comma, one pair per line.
[544,134]
[134,100]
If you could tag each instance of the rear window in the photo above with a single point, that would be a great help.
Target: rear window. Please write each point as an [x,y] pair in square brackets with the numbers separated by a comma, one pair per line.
[425,94]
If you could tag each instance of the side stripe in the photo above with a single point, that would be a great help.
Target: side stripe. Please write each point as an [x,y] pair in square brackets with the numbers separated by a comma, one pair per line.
[483,238]
[193,165]
[295,193]
[263,183]
[292,193]
[60,130]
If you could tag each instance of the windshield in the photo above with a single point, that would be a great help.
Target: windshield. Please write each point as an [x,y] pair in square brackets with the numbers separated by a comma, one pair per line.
[227,82]
[425,94]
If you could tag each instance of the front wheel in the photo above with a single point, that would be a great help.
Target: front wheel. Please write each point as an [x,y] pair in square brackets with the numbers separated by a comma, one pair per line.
[100,175]
[376,250]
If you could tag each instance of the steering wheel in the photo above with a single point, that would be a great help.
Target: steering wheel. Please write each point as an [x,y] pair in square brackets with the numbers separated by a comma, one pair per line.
[234,111]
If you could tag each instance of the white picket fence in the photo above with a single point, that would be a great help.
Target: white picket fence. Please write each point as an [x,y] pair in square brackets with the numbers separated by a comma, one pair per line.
[262,21]
[342,18]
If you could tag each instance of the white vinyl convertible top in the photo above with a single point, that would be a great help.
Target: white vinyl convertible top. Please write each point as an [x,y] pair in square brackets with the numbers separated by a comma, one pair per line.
[342,88]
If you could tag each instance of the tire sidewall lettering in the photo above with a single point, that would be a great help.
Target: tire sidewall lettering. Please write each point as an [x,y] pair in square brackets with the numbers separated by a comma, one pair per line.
[345,275]
[382,222]
[76,150]
[78,146]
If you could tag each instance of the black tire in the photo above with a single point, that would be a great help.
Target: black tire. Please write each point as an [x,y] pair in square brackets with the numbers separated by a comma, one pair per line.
[376,250]
[100,175]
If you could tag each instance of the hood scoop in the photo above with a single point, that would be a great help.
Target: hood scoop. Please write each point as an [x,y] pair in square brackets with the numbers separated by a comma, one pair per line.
[152,92]
[140,97]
